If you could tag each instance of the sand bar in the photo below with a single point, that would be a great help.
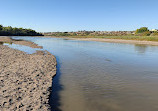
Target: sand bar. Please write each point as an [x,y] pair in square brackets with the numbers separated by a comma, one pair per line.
[25,79]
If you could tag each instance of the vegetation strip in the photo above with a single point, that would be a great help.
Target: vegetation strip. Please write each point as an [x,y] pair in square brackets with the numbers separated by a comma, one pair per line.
[143,34]
[10,31]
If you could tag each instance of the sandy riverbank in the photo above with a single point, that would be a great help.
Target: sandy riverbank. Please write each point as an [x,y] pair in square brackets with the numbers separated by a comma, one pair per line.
[19,42]
[112,40]
[118,41]
[25,79]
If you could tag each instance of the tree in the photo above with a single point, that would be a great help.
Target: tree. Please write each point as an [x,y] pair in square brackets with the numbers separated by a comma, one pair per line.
[1,27]
[142,30]
[9,31]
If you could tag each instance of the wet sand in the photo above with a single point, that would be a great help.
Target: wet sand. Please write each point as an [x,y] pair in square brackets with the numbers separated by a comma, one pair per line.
[25,79]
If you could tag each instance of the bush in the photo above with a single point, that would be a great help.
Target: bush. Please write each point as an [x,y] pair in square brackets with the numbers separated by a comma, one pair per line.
[142,30]
[1,27]
[154,34]
[147,33]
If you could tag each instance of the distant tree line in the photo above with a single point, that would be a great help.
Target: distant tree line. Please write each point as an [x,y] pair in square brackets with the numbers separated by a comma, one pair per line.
[10,31]
[89,33]
[143,31]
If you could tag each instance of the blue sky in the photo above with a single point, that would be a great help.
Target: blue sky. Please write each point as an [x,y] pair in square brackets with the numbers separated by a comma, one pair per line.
[74,15]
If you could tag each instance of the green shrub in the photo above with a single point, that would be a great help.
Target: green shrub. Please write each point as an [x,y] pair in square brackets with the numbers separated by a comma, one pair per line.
[142,30]
[154,34]
[1,27]
[147,33]
[9,31]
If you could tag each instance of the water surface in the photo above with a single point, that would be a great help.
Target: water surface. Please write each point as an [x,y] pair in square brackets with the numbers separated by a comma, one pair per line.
[99,76]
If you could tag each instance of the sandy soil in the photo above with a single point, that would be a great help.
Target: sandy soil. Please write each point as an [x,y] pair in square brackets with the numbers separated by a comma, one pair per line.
[25,79]
[112,40]
[20,42]
[118,41]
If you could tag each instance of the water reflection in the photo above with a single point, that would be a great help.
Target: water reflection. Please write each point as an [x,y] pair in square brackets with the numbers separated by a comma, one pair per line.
[26,49]
[54,100]
[141,49]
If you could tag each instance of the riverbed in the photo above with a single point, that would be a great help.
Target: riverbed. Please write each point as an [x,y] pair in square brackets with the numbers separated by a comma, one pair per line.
[101,76]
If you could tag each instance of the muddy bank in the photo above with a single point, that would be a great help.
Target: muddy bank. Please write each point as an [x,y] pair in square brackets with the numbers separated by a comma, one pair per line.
[19,42]
[25,79]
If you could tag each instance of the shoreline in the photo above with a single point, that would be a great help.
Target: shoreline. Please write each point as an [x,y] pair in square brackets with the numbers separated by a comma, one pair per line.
[33,45]
[5,39]
[141,42]
[25,79]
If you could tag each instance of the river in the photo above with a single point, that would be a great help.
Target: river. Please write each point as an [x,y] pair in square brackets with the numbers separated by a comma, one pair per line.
[100,76]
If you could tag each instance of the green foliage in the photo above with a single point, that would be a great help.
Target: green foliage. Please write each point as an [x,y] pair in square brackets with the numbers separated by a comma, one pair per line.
[9,31]
[74,34]
[147,33]
[154,34]
[1,27]
[142,30]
